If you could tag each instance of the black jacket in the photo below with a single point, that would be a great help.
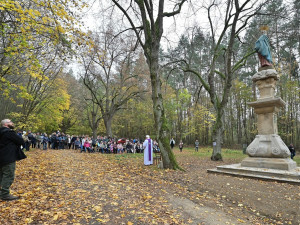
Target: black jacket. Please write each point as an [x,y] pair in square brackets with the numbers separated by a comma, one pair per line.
[291,148]
[10,146]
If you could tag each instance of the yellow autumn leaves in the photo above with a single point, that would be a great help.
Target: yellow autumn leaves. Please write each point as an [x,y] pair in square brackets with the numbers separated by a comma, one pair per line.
[66,187]
[31,31]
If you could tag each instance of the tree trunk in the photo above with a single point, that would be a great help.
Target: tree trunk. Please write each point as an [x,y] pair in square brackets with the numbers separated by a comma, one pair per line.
[217,144]
[217,134]
[94,124]
[94,133]
[168,157]
[107,123]
[169,161]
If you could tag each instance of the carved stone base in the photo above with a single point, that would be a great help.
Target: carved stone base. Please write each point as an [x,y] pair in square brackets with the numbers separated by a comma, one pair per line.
[289,176]
[264,74]
[269,163]
[268,146]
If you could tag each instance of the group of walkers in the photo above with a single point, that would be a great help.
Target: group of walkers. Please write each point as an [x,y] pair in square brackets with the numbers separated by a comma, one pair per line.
[180,145]
[84,143]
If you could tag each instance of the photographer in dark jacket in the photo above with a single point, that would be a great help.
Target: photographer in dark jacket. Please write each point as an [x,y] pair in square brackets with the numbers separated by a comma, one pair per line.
[10,152]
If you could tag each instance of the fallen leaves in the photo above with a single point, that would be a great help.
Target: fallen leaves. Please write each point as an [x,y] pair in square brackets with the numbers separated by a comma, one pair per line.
[65,187]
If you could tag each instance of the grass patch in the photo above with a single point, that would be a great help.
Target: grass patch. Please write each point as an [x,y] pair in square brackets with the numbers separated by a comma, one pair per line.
[297,159]
[233,154]
[206,152]
[125,156]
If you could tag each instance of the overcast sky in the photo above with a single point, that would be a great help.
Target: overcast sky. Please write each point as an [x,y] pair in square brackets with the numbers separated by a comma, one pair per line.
[174,27]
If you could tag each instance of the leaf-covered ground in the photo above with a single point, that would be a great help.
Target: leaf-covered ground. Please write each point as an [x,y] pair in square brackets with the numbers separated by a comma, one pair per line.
[68,187]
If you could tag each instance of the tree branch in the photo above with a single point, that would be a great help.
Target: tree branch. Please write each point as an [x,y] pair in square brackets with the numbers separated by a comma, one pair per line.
[179,5]
[130,21]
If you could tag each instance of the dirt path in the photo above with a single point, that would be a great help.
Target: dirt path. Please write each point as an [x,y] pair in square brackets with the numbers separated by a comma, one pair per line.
[201,214]
[66,187]
[256,201]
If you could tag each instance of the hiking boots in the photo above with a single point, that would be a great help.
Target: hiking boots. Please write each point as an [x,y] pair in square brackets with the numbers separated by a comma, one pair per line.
[9,198]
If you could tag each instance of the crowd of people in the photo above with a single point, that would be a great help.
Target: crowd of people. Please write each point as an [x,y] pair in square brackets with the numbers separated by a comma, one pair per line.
[102,144]
[83,143]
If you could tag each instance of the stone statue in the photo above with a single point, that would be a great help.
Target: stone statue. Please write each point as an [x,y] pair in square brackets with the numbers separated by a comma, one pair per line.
[262,47]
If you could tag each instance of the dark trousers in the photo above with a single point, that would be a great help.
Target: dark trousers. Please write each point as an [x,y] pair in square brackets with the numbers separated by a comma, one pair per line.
[27,146]
[61,145]
[7,176]
[293,154]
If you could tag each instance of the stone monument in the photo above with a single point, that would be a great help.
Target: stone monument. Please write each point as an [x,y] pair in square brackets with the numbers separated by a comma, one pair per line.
[267,150]
[269,157]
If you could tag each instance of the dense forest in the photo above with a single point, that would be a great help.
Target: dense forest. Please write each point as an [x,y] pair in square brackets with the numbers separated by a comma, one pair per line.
[119,79]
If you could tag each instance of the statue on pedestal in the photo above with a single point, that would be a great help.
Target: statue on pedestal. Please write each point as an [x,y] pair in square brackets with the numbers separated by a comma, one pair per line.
[269,157]
[263,50]
[267,150]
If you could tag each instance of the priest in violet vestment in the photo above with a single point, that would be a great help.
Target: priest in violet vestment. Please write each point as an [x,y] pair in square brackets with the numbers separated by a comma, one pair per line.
[148,151]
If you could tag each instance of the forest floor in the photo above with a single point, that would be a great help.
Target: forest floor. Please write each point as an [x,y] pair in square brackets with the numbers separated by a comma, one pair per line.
[68,187]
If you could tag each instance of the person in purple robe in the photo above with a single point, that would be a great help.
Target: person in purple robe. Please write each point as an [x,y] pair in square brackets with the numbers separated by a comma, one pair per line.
[148,151]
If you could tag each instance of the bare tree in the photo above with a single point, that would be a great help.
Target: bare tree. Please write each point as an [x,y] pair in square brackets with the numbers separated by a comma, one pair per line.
[107,75]
[149,32]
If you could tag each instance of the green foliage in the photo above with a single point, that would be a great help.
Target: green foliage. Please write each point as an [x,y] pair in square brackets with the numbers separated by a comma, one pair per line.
[201,120]
[136,120]
[30,30]
[47,114]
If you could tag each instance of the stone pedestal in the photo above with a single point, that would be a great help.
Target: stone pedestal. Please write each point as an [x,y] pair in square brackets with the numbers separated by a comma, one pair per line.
[270,163]
[267,150]
[269,146]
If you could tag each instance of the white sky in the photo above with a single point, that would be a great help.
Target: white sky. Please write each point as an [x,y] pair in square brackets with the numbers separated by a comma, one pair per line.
[174,27]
